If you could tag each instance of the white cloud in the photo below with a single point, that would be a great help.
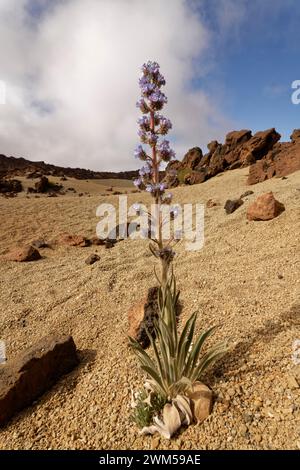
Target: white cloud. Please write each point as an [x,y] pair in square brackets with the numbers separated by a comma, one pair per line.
[71,78]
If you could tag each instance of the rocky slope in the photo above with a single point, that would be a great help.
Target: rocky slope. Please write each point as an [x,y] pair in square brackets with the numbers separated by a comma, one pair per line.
[264,153]
[11,166]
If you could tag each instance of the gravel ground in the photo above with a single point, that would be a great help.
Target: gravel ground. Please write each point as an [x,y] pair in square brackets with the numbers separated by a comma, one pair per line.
[246,279]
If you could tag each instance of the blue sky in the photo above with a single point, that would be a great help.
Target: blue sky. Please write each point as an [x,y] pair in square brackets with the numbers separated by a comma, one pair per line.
[255,61]
[71,71]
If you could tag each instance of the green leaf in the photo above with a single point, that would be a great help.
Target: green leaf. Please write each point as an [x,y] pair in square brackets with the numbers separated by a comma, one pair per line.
[194,355]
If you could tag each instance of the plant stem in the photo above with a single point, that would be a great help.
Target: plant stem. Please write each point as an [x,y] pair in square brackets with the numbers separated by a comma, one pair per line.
[164,266]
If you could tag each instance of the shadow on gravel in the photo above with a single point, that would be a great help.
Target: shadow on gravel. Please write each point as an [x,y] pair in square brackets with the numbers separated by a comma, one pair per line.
[237,358]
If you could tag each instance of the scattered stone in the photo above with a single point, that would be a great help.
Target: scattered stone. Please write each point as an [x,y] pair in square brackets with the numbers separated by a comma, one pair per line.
[211,203]
[265,207]
[97,241]
[246,193]
[232,205]
[155,442]
[92,259]
[73,240]
[44,186]
[141,316]
[39,243]
[280,276]
[243,430]
[31,373]
[10,186]
[201,400]
[22,254]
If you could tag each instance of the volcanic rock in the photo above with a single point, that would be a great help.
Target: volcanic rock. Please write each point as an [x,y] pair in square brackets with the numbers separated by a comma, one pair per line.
[141,316]
[232,205]
[92,259]
[26,377]
[202,400]
[265,207]
[10,186]
[22,254]
[73,240]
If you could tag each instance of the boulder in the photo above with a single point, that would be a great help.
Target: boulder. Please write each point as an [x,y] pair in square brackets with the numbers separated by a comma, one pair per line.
[265,207]
[141,316]
[192,158]
[73,240]
[195,177]
[42,185]
[201,400]
[295,137]
[26,377]
[212,146]
[232,205]
[45,186]
[22,254]
[236,138]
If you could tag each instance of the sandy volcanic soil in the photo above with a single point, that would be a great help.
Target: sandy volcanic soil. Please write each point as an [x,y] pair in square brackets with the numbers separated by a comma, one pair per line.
[234,281]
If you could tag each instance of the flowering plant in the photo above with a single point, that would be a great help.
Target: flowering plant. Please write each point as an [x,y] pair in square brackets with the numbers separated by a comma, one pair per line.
[177,365]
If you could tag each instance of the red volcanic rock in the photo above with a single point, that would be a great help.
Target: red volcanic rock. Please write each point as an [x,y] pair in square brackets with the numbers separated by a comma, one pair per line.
[31,373]
[192,158]
[236,138]
[141,316]
[22,254]
[73,240]
[265,207]
[195,177]
[282,160]
[295,137]
[258,146]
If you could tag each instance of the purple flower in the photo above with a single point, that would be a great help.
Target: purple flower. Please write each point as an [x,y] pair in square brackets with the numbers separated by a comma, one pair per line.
[157,100]
[142,105]
[150,68]
[156,189]
[138,182]
[140,153]
[150,188]
[165,152]
[145,170]
[144,123]
[148,88]
[143,136]
[152,139]
[165,126]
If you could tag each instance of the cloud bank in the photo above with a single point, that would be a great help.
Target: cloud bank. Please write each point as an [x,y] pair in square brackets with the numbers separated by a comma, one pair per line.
[71,69]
